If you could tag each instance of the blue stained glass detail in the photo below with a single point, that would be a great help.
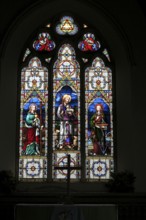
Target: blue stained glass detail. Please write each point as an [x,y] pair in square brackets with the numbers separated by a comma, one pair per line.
[99,168]
[44,42]
[62,92]
[89,43]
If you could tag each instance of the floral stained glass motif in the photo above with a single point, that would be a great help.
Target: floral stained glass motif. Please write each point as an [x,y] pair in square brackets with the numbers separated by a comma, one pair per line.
[99,169]
[85,60]
[89,43]
[33,168]
[48,59]
[44,43]
[105,52]
[66,26]
[66,107]
[48,25]
[33,141]
[27,52]
[99,120]
[85,26]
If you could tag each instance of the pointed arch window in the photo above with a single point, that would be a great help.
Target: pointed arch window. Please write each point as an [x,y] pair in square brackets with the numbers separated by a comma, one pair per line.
[99,121]
[66,110]
[33,141]
[66,104]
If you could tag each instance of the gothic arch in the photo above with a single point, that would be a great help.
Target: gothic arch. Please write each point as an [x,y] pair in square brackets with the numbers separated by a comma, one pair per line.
[24,27]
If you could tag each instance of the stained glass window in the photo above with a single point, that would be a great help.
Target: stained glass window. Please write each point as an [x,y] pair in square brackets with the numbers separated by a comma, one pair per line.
[66,110]
[99,120]
[33,122]
[66,104]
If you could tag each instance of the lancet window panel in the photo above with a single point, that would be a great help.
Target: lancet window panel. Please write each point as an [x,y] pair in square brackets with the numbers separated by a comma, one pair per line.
[66,110]
[33,138]
[99,121]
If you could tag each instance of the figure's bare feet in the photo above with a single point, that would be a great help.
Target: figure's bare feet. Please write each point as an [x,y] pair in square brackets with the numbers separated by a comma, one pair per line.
[61,146]
[69,146]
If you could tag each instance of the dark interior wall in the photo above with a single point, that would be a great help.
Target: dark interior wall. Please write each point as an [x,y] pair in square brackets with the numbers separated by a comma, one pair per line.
[76,212]
[123,27]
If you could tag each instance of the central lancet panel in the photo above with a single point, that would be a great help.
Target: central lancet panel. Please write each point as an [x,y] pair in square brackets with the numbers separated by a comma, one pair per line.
[66,112]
